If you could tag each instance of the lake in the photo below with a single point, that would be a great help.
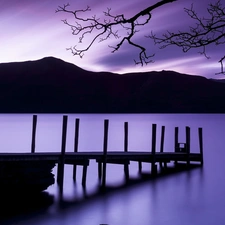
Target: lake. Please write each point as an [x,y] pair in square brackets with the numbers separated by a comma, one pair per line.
[191,197]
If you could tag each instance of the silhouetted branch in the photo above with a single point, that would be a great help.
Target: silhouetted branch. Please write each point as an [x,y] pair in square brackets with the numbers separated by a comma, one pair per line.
[102,31]
[221,62]
[206,31]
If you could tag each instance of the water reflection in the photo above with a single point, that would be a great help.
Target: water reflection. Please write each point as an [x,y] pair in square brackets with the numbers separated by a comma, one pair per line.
[19,206]
[189,197]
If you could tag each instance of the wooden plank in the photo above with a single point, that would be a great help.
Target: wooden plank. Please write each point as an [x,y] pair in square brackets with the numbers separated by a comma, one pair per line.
[133,155]
[78,162]
[111,155]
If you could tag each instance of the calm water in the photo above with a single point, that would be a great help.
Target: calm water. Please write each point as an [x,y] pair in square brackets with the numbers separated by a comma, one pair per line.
[193,197]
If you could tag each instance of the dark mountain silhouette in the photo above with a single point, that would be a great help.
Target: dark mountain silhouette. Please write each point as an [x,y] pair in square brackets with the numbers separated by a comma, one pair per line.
[51,85]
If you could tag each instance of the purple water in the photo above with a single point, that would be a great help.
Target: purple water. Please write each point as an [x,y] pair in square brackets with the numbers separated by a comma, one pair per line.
[192,197]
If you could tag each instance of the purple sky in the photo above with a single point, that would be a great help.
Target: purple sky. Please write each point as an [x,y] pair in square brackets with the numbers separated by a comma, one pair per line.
[32,30]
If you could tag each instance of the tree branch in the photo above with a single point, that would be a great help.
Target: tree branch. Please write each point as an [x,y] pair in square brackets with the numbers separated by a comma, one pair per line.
[102,31]
[221,63]
[206,31]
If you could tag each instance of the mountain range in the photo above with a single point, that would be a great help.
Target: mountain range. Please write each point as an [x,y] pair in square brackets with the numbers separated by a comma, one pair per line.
[51,85]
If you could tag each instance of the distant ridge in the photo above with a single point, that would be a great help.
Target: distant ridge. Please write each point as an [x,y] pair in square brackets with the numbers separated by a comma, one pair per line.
[51,85]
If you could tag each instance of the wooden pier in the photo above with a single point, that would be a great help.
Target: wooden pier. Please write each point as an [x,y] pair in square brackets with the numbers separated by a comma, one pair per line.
[160,159]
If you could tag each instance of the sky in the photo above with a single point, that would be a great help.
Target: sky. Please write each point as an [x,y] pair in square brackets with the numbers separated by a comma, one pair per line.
[31,30]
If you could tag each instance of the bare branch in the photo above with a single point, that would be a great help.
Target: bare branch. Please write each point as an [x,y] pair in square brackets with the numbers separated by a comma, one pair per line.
[102,31]
[222,69]
[206,31]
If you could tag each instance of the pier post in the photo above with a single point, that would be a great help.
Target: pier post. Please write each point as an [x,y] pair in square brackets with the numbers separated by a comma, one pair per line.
[188,145]
[162,138]
[126,165]
[99,170]
[162,142]
[139,166]
[201,144]
[176,145]
[34,125]
[84,176]
[76,138]
[154,167]
[60,173]
[105,146]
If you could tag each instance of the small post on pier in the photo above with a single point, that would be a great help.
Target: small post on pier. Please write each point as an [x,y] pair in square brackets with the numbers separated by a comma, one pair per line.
[162,142]
[60,173]
[176,145]
[34,126]
[188,145]
[76,138]
[162,138]
[139,167]
[126,166]
[105,146]
[125,136]
[201,144]
[154,167]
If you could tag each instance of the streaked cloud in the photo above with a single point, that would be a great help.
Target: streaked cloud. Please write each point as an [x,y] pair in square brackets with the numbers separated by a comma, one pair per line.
[35,31]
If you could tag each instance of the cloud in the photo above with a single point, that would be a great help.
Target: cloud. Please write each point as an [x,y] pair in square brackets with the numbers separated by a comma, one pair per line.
[34,30]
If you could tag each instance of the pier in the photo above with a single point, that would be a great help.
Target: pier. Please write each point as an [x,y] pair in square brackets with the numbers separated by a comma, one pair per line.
[158,160]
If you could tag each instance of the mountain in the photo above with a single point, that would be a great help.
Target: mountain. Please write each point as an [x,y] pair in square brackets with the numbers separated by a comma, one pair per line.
[50,85]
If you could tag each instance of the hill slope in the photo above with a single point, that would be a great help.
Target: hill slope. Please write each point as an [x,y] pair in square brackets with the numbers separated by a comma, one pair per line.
[51,85]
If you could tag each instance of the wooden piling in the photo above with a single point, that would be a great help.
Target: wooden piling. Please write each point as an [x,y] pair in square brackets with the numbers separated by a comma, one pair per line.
[188,145]
[176,144]
[162,142]
[201,144]
[84,176]
[162,138]
[154,166]
[34,126]
[126,165]
[99,170]
[139,166]
[125,136]
[105,146]
[60,173]
[76,138]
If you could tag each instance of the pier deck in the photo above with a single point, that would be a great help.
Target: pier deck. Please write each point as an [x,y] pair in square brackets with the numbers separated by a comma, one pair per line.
[93,155]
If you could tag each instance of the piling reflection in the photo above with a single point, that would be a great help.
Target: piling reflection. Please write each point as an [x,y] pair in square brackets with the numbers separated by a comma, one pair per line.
[142,177]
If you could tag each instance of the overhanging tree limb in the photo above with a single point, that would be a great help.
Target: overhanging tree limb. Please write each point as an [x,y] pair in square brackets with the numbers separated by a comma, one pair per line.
[103,29]
[207,31]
